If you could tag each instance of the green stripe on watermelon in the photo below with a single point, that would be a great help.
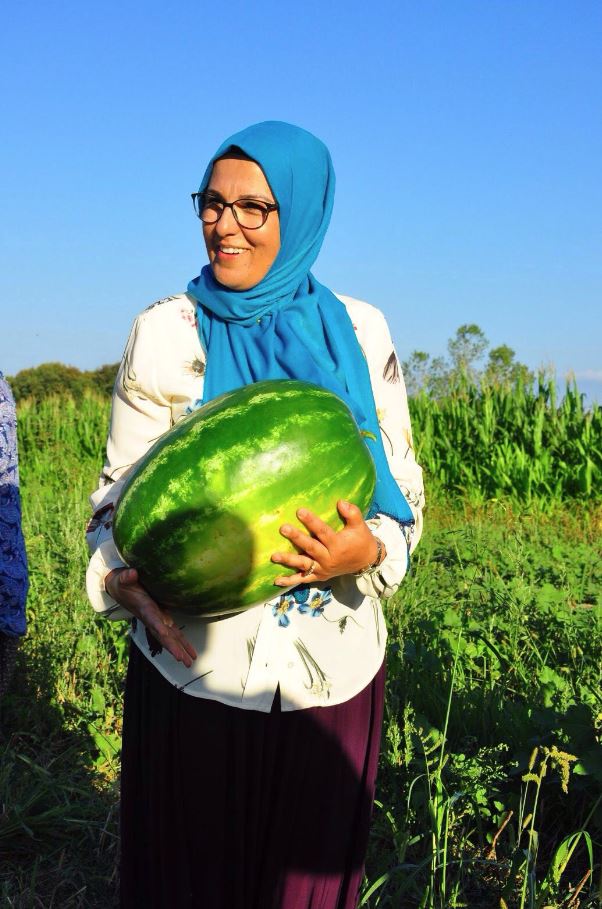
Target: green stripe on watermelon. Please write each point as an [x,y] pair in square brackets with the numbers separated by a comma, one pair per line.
[199,516]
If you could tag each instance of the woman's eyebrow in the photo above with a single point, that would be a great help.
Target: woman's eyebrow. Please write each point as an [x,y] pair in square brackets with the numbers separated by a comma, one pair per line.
[258,196]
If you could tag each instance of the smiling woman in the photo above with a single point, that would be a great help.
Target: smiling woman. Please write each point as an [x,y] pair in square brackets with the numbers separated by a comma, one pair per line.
[239,730]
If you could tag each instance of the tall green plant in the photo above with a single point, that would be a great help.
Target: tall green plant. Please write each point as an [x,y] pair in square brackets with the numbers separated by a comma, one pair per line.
[490,441]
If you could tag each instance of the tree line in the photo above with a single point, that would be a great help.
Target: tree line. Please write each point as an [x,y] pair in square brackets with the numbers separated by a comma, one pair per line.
[51,379]
[468,358]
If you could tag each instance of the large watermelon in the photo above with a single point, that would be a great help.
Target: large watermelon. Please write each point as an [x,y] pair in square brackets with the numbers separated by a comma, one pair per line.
[199,516]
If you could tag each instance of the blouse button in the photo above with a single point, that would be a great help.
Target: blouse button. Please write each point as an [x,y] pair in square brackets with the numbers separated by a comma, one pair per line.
[290,665]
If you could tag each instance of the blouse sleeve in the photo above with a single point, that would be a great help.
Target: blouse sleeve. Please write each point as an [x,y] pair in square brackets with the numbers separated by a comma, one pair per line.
[140,413]
[391,401]
[13,560]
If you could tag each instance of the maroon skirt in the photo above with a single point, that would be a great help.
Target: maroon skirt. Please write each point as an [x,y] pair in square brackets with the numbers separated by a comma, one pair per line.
[224,808]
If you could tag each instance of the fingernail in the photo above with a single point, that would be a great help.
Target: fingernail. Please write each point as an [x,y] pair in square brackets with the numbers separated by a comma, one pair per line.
[276,556]
[286,528]
[302,512]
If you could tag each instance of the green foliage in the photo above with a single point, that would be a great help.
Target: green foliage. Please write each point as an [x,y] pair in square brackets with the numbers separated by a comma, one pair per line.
[502,369]
[56,379]
[48,379]
[103,378]
[423,373]
[437,376]
[466,349]
[496,440]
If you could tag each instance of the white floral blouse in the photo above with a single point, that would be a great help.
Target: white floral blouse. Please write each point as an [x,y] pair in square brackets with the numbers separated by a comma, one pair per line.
[321,646]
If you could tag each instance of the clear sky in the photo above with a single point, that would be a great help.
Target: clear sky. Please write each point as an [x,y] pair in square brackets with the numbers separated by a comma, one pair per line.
[466,136]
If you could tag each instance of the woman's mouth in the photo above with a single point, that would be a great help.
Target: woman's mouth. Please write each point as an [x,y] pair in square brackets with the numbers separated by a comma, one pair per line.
[229,252]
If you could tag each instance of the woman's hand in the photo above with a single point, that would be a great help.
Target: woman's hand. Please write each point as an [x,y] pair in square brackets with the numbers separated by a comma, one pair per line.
[327,552]
[122,585]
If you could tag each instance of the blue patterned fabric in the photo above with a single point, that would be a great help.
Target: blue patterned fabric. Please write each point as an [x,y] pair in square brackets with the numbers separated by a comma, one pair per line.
[13,561]
[289,326]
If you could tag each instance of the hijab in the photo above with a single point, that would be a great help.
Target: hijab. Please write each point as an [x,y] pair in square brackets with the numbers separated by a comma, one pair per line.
[289,326]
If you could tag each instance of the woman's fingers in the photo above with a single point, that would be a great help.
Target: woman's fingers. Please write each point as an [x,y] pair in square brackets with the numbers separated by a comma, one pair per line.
[174,635]
[293,560]
[123,585]
[293,580]
[303,542]
[163,627]
[316,526]
[350,513]
[299,539]
[302,564]
[188,648]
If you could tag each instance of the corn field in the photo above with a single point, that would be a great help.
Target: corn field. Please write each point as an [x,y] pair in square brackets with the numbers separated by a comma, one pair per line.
[521,442]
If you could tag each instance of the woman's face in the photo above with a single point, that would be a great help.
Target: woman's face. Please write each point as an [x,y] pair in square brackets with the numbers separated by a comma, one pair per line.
[240,258]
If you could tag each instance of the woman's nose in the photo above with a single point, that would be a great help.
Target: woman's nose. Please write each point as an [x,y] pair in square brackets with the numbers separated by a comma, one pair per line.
[227,223]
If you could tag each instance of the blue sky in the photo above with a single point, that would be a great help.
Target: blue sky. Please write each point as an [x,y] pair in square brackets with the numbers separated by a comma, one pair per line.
[466,137]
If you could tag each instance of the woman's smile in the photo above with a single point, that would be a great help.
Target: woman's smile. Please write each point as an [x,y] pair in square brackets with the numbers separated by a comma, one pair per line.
[229,252]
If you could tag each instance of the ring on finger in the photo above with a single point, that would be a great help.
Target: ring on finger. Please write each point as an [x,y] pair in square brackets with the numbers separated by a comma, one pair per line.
[309,571]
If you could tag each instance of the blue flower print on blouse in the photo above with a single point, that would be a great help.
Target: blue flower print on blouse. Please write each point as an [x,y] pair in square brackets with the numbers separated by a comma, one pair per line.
[301,594]
[315,605]
[194,406]
[285,604]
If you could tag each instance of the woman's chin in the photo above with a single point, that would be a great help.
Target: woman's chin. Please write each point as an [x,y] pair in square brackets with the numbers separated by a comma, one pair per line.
[229,279]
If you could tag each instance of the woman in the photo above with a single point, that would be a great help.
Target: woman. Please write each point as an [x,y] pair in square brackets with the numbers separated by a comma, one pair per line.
[249,758]
[13,561]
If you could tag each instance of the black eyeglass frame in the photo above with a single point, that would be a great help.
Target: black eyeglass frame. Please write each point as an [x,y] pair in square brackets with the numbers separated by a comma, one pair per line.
[269,207]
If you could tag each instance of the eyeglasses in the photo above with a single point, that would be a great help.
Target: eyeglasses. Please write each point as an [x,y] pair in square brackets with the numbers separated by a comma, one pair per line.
[248,213]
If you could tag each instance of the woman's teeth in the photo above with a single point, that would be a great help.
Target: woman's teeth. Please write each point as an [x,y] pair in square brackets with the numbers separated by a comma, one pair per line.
[231,250]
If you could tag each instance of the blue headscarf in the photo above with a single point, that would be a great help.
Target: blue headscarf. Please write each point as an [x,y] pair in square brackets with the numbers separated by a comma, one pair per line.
[289,326]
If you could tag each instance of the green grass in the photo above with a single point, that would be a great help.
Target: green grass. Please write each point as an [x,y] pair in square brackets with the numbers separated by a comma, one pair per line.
[494,650]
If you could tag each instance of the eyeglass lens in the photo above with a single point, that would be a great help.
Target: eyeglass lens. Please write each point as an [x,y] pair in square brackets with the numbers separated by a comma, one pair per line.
[249,213]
